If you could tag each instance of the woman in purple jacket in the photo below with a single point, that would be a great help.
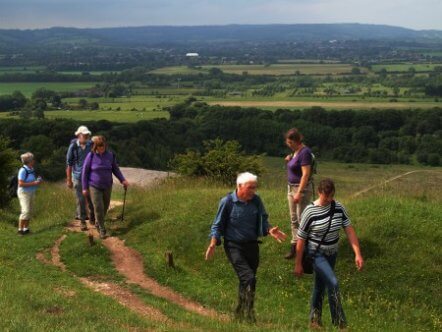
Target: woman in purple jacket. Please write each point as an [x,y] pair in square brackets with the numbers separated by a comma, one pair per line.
[98,168]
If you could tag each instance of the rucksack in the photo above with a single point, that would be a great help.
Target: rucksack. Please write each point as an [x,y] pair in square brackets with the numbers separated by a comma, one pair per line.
[13,182]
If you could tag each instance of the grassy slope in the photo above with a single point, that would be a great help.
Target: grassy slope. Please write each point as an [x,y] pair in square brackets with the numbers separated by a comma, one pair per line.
[36,297]
[402,265]
[402,272]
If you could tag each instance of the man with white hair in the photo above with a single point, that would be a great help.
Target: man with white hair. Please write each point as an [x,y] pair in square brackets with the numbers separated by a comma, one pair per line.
[241,219]
[77,152]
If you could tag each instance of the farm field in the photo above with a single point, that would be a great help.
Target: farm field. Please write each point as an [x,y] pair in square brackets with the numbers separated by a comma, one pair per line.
[29,87]
[274,69]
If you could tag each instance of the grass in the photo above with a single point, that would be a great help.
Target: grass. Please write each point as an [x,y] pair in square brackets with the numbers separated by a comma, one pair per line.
[388,222]
[28,88]
[397,225]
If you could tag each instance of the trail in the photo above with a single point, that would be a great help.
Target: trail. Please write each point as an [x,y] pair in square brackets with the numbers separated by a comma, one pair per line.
[129,263]
[118,293]
[383,183]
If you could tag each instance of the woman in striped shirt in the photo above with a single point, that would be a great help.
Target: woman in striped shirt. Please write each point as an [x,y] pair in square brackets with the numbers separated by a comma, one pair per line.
[322,220]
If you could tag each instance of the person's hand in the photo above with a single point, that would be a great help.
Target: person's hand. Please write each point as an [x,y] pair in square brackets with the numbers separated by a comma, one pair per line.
[296,198]
[288,158]
[85,192]
[125,184]
[359,261]
[277,234]
[299,271]
[210,252]
[69,183]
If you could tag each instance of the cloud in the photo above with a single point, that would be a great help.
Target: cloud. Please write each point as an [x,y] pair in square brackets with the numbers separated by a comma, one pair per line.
[418,14]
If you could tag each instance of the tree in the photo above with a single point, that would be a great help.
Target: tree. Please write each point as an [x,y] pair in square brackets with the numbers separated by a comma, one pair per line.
[8,163]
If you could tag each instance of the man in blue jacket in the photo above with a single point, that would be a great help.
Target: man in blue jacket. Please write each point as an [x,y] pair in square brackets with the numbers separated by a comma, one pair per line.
[77,152]
[241,219]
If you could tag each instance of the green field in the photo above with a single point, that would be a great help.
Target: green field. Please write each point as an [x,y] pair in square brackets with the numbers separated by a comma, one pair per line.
[28,88]
[397,224]
[403,67]
[275,69]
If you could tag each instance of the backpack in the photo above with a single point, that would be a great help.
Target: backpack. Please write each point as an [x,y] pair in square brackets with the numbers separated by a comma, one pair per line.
[13,182]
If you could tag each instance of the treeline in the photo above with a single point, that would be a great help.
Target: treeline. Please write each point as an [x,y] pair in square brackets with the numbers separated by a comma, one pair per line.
[375,136]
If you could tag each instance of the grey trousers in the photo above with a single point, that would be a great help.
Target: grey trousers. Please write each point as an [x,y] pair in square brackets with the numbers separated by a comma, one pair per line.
[296,209]
[101,200]
[85,207]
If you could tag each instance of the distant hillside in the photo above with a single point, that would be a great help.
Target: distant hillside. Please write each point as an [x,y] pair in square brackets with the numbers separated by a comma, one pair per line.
[154,35]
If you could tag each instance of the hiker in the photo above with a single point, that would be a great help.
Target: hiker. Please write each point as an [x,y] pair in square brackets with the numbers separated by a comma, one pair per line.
[77,152]
[27,186]
[241,219]
[300,186]
[319,235]
[96,178]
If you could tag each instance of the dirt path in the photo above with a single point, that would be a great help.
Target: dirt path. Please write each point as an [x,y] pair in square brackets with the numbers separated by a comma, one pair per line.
[118,293]
[383,183]
[129,263]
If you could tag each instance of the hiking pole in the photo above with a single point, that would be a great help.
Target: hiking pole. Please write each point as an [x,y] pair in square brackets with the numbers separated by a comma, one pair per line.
[124,203]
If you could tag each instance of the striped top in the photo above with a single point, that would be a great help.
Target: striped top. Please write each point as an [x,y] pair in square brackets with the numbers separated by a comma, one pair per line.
[314,223]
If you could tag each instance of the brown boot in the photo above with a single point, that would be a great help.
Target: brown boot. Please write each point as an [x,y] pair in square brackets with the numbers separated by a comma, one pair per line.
[292,253]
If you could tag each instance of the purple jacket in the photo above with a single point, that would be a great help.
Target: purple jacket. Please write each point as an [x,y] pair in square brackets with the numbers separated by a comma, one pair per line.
[97,170]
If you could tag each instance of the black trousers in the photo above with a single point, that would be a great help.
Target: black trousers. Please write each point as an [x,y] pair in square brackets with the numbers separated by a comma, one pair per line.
[244,258]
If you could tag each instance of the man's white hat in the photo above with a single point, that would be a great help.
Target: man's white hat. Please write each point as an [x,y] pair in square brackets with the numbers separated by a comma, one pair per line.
[82,130]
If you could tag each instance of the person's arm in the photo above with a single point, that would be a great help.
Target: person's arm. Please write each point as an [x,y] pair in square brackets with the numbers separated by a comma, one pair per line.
[69,164]
[216,229]
[117,172]
[306,168]
[300,247]
[24,184]
[354,242]
[302,237]
[85,173]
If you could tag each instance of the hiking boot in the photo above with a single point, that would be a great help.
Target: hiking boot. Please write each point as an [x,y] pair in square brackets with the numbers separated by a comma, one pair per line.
[27,231]
[239,310]
[292,253]
[249,303]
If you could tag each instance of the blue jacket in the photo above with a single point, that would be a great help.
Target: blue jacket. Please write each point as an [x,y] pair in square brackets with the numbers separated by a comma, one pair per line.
[240,221]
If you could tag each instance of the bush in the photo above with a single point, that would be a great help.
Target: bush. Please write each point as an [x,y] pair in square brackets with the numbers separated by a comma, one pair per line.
[221,161]
[8,164]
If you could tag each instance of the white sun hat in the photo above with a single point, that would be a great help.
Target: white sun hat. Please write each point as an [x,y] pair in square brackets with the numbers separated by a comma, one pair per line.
[82,130]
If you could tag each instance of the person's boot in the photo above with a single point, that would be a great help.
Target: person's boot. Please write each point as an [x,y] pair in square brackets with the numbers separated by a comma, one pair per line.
[292,253]
[239,310]
[249,302]
[316,321]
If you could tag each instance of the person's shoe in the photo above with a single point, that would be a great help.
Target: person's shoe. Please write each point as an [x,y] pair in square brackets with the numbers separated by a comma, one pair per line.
[292,253]
[26,231]
[77,218]
[83,226]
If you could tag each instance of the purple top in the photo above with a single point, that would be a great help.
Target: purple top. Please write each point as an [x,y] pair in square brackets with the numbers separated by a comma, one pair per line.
[98,169]
[294,170]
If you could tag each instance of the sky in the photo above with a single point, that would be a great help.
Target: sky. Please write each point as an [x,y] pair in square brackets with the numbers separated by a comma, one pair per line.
[31,14]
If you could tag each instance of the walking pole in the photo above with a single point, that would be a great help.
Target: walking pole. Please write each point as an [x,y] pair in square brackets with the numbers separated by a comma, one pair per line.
[124,203]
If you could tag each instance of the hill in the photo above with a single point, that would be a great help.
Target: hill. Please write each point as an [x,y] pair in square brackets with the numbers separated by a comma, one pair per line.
[154,35]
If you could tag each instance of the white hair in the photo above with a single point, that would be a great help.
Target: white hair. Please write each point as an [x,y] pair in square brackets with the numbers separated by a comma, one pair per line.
[26,158]
[245,177]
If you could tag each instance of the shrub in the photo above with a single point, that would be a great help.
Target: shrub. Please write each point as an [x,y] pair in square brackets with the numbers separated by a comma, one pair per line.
[221,161]
[8,164]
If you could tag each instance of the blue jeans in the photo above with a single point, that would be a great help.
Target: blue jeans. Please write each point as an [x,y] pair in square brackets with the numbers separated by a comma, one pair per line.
[323,266]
